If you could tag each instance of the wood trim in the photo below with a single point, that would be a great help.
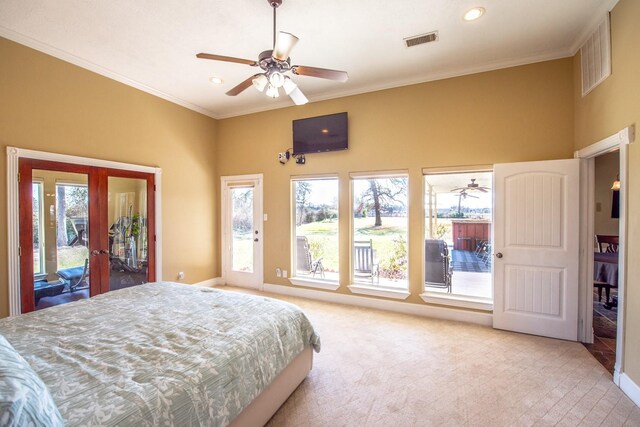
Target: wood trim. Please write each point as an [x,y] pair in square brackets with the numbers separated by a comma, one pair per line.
[25,202]
[151,228]
[102,231]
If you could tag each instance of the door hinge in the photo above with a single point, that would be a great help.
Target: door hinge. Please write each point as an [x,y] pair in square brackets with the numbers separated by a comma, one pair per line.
[18,177]
[155,239]
[154,187]
[19,251]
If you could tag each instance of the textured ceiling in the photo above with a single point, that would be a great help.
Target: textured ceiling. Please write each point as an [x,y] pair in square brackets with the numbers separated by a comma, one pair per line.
[152,44]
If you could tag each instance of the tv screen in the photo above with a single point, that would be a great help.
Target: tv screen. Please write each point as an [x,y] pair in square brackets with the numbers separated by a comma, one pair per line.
[318,134]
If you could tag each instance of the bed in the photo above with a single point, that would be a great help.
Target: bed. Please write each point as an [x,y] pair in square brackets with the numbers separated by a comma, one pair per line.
[163,354]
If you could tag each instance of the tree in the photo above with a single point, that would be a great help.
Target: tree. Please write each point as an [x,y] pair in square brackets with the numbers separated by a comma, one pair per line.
[383,192]
[303,190]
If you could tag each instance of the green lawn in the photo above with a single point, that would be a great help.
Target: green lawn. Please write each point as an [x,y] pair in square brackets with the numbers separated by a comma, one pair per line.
[323,239]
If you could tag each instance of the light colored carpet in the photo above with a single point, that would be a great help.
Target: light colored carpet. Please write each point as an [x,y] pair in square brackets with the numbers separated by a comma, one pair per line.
[380,368]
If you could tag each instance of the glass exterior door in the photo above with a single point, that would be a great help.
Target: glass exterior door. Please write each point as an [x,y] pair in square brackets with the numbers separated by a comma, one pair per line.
[242,230]
[83,231]
[128,232]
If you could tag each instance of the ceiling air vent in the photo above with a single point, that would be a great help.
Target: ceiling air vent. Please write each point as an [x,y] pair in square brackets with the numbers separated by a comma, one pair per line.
[421,39]
[595,54]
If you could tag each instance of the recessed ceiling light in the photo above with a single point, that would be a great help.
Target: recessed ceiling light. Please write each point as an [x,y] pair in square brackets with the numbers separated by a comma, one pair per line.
[216,80]
[474,14]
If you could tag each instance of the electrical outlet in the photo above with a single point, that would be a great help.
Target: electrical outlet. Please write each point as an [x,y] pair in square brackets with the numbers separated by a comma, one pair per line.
[284,273]
[278,272]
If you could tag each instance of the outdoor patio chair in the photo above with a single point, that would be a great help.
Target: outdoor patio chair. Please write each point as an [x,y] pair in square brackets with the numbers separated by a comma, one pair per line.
[305,263]
[365,264]
[437,264]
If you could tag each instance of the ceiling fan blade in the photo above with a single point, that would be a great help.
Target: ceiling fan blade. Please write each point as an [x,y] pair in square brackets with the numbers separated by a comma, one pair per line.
[298,97]
[242,86]
[483,189]
[459,189]
[323,73]
[284,44]
[226,59]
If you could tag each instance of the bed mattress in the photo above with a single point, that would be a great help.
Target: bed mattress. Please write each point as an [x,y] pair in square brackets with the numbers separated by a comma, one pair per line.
[160,353]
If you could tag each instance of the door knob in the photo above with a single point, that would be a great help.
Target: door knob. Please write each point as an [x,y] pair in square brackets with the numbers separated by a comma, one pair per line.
[95,252]
[499,255]
[104,251]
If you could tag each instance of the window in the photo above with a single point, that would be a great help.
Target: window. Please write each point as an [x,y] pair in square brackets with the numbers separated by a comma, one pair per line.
[458,214]
[379,246]
[38,228]
[315,245]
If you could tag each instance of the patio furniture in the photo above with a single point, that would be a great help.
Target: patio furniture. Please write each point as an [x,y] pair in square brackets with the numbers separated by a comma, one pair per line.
[74,276]
[304,262]
[364,263]
[437,264]
[42,289]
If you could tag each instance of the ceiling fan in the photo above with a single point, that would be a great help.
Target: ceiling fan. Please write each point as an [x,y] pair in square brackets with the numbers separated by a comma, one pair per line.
[472,186]
[275,63]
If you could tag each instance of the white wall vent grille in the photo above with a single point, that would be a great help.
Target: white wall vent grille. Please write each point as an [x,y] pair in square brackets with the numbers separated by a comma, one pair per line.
[596,57]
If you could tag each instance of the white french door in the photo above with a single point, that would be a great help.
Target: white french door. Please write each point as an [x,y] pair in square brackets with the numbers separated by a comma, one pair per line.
[242,239]
[536,248]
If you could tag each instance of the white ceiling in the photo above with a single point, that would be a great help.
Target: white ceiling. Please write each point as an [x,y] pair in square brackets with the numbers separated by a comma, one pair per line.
[152,45]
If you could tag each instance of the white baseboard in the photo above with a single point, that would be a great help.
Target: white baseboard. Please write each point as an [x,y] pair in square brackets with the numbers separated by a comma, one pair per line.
[210,283]
[630,388]
[485,319]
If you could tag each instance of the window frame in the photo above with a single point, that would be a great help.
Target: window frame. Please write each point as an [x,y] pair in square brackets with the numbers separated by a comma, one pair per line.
[43,266]
[294,279]
[453,300]
[360,287]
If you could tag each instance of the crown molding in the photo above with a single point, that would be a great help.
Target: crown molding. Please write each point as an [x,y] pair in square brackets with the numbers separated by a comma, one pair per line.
[605,8]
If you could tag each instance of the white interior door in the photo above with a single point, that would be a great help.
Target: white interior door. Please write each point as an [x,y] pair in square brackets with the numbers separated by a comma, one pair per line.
[242,240]
[536,245]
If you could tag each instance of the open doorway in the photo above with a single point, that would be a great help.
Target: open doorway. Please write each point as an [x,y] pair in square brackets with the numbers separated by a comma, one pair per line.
[605,258]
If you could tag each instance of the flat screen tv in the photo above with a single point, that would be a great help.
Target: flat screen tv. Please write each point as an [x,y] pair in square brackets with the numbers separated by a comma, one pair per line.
[318,134]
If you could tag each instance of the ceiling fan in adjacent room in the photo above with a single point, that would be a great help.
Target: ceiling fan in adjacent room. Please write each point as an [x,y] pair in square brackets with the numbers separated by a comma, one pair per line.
[472,186]
[276,63]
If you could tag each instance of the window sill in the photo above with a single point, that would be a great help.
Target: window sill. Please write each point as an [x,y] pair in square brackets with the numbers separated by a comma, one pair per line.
[474,303]
[377,291]
[315,283]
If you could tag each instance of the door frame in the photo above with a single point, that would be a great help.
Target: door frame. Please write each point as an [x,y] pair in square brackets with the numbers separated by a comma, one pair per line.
[618,141]
[225,220]
[13,211]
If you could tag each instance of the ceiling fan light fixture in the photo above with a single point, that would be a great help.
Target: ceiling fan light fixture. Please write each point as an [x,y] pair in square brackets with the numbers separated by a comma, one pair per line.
[289,85]
[260,82]
[298,97]
[276,79]
[284,44]
[272,91]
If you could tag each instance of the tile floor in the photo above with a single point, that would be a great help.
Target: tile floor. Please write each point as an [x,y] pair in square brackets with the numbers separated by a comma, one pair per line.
[604,331]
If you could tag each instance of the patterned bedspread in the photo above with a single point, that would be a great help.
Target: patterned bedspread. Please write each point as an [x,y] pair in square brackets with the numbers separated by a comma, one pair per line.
[160,353]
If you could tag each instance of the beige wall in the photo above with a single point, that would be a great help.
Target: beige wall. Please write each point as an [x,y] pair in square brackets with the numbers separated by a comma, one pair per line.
[50,105]
[607,168]
[612,106]
[517,114]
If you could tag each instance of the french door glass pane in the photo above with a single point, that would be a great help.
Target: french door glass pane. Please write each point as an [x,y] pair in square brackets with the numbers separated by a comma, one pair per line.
[128,245]
[38,237]
[242,229]
[60,237]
